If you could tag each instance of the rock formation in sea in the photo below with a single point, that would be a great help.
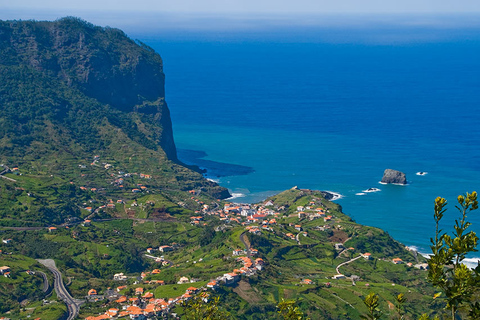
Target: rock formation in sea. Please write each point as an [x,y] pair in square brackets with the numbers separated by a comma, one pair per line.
[394,176]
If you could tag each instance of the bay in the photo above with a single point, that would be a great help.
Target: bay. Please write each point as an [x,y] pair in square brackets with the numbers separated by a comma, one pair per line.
[332,116]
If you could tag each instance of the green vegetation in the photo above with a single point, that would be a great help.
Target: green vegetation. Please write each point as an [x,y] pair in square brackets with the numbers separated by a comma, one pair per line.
[197,309]
[90,255]
[459,285]
[62,106]
[91,179]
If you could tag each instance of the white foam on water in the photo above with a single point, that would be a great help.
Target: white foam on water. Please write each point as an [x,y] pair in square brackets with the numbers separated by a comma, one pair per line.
[336,195]
[236,195]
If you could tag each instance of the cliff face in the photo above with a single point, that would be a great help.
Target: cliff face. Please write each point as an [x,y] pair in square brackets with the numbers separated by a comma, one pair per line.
[102,63]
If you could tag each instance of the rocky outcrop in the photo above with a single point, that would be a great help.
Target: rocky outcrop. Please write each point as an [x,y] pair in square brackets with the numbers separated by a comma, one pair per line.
[68,87]
[102,63]
[394,176]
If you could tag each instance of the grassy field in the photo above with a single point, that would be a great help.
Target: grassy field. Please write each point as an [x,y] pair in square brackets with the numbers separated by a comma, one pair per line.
[90,255]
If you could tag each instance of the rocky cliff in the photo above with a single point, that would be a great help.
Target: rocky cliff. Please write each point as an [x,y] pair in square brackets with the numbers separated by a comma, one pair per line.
[102,63]
[72,92]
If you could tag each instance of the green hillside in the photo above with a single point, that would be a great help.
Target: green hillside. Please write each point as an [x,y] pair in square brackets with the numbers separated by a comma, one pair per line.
[89,256]
[83,106]
[90,178]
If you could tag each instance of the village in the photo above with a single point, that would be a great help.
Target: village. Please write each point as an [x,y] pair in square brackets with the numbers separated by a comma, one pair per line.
[140,295]
[255,219]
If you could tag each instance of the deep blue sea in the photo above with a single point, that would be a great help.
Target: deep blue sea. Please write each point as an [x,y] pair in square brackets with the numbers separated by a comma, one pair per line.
[332,113]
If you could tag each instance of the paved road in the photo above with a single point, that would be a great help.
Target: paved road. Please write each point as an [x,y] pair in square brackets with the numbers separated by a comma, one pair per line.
[72,306]
[153,257]
[247,248]
[7,169]
[341,264]
[45,280]
[298,238]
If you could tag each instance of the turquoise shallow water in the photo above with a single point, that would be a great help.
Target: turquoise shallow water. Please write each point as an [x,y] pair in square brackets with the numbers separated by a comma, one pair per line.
[332,117]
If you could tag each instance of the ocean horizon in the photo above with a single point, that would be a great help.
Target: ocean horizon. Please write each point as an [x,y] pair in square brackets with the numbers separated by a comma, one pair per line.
[264,114]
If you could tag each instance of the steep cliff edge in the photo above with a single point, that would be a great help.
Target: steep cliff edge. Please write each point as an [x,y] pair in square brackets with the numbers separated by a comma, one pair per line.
[84,106]
[102,63]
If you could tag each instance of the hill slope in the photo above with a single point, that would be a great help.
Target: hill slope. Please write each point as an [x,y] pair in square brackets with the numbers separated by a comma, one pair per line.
[70,91]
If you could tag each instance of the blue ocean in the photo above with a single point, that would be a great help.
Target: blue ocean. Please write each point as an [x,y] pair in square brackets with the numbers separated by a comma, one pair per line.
[331,110]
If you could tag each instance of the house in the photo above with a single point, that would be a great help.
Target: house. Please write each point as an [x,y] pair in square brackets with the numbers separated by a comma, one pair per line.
[230,278]
[339,246]
[191,290]
[259,216]
[150,250]
[397,261]
[112,312]
[422,266]
[306,281]
[165,248]
[7,241]
[247,212]
[298,227]
[253,252]
[212,285]
[119,277]
[367,256]
[290,235]
[4,269]
[51,229]
[138,291]
[301,215]
[86,223]
[92,292]
[183,280]
[338,276]
[121,288]
[238,252]
[156,271]
[269,203]
[255,231]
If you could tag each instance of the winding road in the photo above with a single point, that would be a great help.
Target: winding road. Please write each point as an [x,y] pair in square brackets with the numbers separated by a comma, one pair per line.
[72,306]
[45,281]
[344,263]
